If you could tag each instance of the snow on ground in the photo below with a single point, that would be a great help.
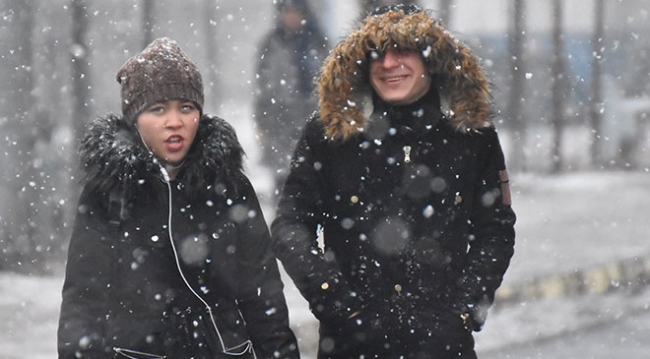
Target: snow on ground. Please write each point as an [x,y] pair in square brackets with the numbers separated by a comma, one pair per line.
[565,222]
[578,220]
[524,323]
[29,309]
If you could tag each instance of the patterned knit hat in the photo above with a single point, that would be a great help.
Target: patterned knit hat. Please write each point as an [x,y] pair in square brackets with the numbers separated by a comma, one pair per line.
[160,72]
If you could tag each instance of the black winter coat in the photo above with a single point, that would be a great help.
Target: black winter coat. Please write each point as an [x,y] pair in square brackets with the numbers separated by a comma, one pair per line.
[127,288]
[417,229]
[284,95]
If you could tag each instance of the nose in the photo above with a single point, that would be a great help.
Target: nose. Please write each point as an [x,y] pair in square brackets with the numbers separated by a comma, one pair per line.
[173,119]
[391,59]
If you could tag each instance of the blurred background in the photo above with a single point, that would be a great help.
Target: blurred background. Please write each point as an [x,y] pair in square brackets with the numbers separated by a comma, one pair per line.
[570,84]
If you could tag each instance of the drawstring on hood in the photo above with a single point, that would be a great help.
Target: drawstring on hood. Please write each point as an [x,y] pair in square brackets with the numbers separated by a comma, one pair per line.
[344,88]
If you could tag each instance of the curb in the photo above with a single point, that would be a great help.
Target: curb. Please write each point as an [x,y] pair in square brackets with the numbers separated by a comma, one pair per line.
[630,273]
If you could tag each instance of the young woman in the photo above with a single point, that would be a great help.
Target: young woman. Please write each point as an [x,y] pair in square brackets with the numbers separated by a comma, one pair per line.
[170,255]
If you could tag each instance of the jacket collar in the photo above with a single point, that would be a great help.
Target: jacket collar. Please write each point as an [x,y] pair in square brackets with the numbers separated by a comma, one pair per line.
[114,158]
[404,120]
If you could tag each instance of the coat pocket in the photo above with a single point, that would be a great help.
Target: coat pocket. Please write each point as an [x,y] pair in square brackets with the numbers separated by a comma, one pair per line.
[225,333]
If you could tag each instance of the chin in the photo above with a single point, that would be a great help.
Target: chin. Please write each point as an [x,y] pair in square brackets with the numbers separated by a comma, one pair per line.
[397,101]
[174,161]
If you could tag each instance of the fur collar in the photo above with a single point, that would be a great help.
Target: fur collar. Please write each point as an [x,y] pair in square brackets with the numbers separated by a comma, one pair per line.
[344,88]
[114,158]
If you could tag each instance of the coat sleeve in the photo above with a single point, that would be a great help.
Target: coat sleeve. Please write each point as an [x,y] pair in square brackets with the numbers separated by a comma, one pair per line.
[87,282]
[261,298]
[295,235]
[492,236]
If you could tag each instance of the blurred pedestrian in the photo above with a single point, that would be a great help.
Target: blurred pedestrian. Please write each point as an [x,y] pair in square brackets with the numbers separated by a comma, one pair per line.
[170,256]
[289,59]
[402,174]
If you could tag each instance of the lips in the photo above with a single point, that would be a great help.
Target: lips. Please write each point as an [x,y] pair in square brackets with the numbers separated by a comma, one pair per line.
[393,79]
[174,143]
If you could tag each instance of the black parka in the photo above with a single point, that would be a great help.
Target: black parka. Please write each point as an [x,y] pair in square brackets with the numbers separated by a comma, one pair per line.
[413,206]
[415,224]
[128,289]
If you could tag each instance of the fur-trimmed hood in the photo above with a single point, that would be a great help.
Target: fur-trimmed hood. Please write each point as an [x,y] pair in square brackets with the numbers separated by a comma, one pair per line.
[113,157]
[344,87]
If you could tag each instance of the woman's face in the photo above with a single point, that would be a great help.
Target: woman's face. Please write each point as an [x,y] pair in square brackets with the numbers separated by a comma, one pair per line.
[399,78]
[168,128]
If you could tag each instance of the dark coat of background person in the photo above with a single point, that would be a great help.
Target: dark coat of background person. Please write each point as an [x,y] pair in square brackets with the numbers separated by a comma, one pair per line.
[412,202]
[170,255]
[288,62]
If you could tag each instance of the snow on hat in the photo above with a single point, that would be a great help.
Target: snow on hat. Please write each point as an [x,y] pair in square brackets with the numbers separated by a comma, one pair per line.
[160,72]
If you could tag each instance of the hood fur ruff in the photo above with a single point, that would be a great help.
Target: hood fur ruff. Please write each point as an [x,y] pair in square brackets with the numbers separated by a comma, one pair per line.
[114,158]
[344,87]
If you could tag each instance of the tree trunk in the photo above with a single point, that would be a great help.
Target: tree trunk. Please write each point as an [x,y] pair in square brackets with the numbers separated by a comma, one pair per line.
[19,226]
[148,21]
[559,81]
[210,25]
[517,87]
[445,11]
[80,67]
[596,101]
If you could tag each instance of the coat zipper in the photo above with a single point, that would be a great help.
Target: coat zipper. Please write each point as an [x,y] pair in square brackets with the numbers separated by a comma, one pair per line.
[407,154]
[245,347]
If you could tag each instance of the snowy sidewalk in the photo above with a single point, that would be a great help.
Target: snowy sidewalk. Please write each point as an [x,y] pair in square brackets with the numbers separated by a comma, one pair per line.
[581,257]
[29,312]
[579,234]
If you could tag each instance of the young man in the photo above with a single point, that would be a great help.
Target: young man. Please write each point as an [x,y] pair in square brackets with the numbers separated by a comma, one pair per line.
[411,196]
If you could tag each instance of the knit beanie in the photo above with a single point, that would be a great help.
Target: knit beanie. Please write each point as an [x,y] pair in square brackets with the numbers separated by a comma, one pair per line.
[160,72]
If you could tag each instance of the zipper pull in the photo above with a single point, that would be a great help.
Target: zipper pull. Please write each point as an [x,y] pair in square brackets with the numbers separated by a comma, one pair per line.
[407,154]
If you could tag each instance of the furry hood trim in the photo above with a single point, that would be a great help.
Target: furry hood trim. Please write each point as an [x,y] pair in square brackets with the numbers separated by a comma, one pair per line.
[114,158]
[344,86]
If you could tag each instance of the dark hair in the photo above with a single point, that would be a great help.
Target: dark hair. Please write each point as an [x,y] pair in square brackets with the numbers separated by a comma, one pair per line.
[281,5]
[408,9]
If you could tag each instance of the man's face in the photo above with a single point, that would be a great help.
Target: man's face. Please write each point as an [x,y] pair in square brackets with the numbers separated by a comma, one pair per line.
[399,78]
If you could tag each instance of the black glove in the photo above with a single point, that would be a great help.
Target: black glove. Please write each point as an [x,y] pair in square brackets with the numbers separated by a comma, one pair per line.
[473,303]
[336,306]
[474,316]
